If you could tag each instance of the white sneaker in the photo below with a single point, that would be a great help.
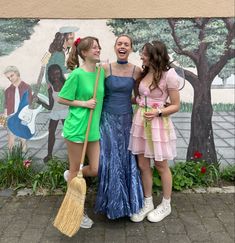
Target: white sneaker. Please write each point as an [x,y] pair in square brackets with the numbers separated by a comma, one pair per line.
[148,206]
[159,213]
[86,222]
[66,175]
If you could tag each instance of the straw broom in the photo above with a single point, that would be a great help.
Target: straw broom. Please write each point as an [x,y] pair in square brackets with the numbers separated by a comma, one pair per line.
[71,211]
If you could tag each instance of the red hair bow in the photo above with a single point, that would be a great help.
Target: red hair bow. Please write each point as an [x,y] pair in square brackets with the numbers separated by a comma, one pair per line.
[77,41]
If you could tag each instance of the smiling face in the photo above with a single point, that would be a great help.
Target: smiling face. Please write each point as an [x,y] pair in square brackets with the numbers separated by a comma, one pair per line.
[123,48]
[55,76]
[93,54]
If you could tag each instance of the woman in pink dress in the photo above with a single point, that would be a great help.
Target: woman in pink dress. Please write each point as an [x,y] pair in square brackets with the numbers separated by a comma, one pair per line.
[152,133]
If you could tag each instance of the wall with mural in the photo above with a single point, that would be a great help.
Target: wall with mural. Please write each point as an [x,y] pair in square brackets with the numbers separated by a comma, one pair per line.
[202,50]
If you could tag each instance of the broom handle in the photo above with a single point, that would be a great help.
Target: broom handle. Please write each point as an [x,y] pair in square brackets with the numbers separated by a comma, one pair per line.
[89,120]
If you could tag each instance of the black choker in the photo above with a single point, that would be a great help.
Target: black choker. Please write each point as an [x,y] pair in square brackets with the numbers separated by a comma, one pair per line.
[122,62]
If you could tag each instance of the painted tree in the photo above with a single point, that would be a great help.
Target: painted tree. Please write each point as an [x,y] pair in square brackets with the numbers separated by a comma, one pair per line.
[14,32]
[206,44]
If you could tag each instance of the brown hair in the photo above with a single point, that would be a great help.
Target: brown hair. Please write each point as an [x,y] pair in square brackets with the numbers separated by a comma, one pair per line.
[159,60]
[84,45]
[131,40]
[58,43]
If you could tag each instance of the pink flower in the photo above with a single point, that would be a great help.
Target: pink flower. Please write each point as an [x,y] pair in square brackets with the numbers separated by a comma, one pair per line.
[27,163]
[197,155]
[203,170]
[155,105]
[146,93]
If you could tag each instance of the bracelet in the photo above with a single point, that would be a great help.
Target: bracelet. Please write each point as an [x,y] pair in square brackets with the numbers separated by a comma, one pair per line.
[159,111]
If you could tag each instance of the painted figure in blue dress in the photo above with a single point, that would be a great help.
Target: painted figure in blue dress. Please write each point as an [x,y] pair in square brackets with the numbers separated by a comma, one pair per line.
[120,189]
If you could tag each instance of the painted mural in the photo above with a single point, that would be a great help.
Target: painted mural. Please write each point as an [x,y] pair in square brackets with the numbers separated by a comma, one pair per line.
[33,55]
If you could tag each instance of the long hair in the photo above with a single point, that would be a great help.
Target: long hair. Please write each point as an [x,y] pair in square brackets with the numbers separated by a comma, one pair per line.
[58,43]
[159,61]
[85,44]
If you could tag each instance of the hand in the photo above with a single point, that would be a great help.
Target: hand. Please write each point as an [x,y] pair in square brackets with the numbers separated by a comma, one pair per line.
[90,103]
[149,115]
[35,99]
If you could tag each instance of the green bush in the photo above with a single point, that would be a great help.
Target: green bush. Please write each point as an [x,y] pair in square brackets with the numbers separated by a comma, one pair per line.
[228,173]
[15,169]
[186,175]
[51,177]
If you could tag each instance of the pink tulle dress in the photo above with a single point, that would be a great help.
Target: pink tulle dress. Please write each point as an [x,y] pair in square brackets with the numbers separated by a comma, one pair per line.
[155,139]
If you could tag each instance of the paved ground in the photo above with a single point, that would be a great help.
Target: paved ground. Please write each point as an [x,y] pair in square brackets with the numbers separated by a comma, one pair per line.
[196,217]
[223,128]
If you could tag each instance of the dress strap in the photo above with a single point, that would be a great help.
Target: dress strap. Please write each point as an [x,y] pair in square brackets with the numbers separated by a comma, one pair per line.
[133,71]
[110,69]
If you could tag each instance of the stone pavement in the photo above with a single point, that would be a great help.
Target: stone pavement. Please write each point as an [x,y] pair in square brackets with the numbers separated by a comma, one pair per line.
[196,217]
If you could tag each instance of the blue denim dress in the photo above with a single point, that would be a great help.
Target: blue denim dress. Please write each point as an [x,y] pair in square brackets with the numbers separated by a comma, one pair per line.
[120,191]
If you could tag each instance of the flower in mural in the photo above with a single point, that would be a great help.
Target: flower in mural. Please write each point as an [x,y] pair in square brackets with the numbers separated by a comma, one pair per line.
[27,163]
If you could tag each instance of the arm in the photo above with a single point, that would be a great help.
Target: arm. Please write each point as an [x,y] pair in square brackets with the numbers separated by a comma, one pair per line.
[51,100]
[173,107]
[137,77]
[78,103]
[105,66]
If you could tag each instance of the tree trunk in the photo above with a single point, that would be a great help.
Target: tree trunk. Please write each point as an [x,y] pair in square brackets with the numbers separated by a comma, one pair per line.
[201,137]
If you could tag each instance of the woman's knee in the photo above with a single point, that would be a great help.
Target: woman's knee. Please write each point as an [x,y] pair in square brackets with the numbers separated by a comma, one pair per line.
[161,166]
[94,171]
[144,166]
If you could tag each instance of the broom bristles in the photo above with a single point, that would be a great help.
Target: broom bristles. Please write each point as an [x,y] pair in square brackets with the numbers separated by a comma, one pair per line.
[71,211]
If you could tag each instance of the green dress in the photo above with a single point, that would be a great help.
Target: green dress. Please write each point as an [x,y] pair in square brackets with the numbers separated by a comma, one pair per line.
[80,86]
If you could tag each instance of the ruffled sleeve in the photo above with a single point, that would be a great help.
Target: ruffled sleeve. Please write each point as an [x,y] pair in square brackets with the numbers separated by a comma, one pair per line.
[172,80]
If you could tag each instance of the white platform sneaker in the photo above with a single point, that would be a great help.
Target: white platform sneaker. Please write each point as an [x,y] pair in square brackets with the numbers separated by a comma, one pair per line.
[86,221]
[148,207]
[158,214]
[66,175]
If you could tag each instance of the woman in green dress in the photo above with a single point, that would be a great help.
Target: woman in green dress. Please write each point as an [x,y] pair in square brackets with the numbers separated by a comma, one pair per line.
[77,93]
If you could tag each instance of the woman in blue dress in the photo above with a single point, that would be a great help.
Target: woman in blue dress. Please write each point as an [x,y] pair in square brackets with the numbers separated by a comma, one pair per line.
[120,190]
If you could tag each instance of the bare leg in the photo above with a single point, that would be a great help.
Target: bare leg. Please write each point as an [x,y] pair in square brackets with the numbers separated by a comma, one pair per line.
[23,144]
[146,174]
[166,177]
[51,139]
[74,154]
[11,140]
[93,153]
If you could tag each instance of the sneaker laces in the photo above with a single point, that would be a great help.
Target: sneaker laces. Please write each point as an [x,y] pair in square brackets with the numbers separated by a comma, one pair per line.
[160,209]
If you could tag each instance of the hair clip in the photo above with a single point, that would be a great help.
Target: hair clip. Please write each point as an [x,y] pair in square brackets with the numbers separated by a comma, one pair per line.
[77,41]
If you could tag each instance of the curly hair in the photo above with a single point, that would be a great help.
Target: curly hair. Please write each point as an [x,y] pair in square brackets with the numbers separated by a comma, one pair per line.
[159,61]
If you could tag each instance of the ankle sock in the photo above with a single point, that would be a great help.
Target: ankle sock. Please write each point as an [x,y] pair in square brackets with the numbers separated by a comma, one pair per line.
[166,202]
[148,199]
